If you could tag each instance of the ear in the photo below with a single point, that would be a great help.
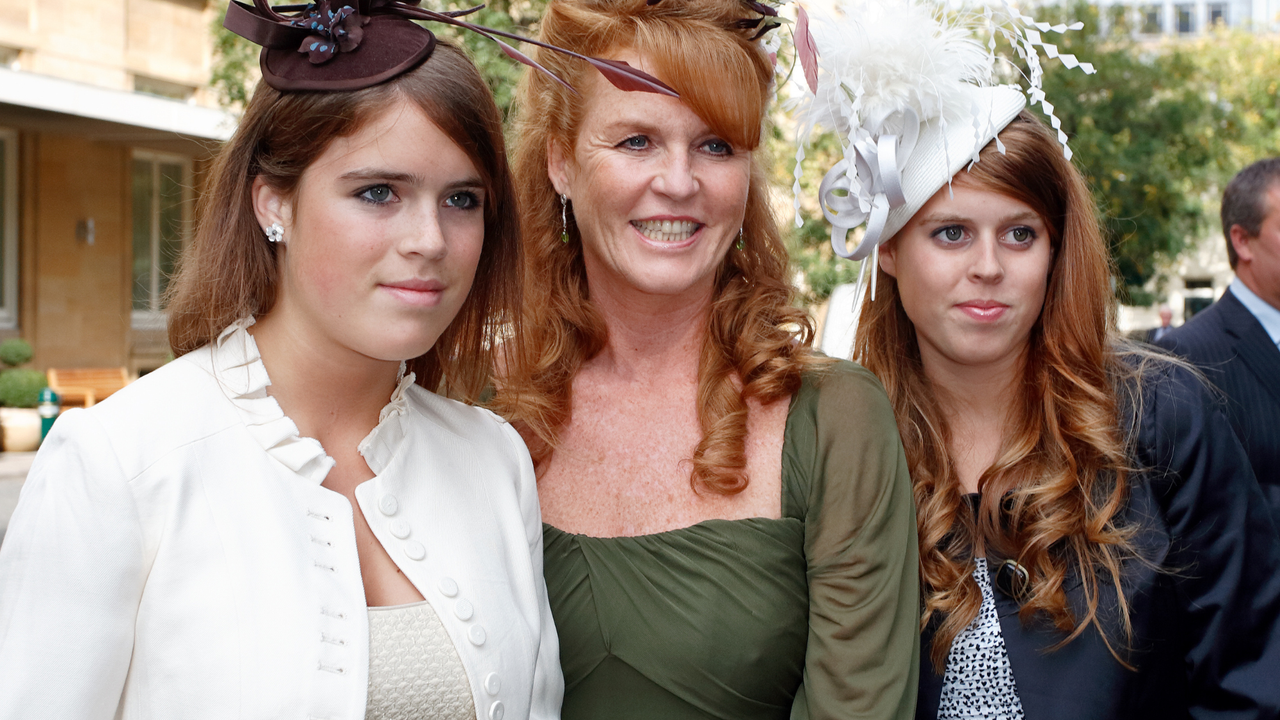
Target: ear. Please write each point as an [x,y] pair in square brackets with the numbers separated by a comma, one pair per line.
[269,206]
[889,258]
[559,168]
[1240,241]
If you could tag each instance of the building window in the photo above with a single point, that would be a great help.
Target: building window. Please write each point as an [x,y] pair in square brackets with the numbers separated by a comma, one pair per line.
[1186,15]
[8,229]
[10,58]
[1152,22]
[161,219]
[1218,14]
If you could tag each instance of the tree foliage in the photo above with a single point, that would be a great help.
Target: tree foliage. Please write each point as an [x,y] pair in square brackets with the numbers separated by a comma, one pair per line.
[1150,137]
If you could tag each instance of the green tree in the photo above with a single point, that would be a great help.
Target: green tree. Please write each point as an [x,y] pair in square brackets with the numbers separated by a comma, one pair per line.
[235,68]
[1242,70]
[1150,137]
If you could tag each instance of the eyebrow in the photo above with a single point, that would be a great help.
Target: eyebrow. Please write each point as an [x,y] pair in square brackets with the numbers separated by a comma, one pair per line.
[1027,216]
[374,174]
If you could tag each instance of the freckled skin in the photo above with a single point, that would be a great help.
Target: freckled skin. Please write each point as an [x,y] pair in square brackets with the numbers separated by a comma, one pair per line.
[622,467]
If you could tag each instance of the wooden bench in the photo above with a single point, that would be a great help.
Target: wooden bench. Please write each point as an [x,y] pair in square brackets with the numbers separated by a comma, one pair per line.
[86,386]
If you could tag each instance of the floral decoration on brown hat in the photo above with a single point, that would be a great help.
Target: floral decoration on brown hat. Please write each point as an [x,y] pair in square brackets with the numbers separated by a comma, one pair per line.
[354,44]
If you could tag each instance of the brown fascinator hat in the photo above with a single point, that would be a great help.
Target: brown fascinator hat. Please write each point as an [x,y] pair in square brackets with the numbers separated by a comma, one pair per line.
[353,44]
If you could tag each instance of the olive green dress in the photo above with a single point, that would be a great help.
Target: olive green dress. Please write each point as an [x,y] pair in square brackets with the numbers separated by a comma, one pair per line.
[813,615]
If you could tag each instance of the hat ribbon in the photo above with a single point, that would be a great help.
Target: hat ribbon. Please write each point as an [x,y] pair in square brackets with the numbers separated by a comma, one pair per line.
[872,190]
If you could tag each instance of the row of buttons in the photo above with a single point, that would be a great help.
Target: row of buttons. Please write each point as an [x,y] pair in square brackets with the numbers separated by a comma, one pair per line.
[448,587]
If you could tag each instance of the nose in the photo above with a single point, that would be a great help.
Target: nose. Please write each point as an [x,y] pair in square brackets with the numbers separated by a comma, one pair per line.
[986,265]
[675,177]
[424,236]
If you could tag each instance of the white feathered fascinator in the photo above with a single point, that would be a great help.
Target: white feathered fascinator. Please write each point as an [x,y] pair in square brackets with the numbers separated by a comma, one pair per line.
[911,96]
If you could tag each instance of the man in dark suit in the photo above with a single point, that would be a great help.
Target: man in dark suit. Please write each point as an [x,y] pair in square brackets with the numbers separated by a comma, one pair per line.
[1234,341]
[1166,325]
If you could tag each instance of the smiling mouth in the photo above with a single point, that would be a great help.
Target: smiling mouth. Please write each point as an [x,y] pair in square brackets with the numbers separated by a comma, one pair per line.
[666,231]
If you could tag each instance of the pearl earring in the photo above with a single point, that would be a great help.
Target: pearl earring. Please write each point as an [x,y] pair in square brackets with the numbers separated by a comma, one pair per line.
[275,233]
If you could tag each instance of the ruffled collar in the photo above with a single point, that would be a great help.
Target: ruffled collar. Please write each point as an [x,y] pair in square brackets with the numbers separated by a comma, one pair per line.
[238,367]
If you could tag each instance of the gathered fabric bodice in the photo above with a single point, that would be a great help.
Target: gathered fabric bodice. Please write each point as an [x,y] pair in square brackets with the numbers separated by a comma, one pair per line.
[717,630]
[808,615]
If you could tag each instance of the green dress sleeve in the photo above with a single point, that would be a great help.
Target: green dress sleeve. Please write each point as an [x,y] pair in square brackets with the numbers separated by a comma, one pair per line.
[853,491]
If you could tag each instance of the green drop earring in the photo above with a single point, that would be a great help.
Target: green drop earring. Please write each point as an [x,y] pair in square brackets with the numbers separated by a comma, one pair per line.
[564,220]
[741,244]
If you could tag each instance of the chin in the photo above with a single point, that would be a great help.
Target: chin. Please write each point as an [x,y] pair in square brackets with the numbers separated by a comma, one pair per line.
[392,348]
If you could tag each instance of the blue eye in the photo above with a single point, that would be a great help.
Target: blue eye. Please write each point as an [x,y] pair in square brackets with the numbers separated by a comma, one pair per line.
[636,142]
[464,200]
[377,195]
[951,234]
[718,147]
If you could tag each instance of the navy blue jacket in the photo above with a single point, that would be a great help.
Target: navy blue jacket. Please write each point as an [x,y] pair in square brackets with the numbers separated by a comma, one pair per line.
[1230,347]
[1205,609]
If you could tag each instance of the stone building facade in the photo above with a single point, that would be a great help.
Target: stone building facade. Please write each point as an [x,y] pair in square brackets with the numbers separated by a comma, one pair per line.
[106,123]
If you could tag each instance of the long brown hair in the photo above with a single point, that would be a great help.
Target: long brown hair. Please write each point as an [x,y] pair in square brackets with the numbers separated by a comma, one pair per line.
[1051,500]
[229,270]
[757,343]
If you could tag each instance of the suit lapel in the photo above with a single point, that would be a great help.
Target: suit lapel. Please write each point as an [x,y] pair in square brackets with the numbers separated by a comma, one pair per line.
[1253,344]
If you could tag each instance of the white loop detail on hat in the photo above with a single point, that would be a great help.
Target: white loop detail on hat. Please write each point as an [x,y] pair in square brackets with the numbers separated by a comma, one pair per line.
[848,203]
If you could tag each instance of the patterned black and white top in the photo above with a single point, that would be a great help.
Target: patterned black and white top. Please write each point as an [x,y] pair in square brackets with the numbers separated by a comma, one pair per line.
[979,682]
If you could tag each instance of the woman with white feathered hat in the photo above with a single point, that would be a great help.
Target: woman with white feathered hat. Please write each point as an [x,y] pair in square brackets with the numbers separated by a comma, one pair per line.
[1092,540]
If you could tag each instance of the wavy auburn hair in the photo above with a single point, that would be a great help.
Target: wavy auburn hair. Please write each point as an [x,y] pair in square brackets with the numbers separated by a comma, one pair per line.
[756,342]
[1052,498]
[229,270]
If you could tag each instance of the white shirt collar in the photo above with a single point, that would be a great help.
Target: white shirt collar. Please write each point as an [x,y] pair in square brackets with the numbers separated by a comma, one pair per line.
[1261,309]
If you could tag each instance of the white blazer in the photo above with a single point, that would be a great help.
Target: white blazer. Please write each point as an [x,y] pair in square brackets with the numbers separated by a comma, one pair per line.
[173,555]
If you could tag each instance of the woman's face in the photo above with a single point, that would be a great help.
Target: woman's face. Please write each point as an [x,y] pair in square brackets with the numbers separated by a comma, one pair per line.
[381,240]
[972,268]
[658,197]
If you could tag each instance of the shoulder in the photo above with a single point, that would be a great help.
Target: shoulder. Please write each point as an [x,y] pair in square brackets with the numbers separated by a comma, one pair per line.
[171,407]
[1202,335]
[842,438]
[468,423]
[843,392]
[468,428]
[1174,408]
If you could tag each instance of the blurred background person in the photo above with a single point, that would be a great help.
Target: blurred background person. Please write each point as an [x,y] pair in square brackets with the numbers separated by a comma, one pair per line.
[1234,341]
[1155,334]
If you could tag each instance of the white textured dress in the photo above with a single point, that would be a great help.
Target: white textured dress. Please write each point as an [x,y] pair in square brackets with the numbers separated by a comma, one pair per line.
[414,669]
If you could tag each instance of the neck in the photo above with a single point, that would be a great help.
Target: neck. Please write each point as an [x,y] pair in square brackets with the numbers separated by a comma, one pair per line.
[332,395]
[1244,271]
[976,402]
[651,336]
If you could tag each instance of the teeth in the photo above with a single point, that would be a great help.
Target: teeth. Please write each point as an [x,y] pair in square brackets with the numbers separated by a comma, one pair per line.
[666,230]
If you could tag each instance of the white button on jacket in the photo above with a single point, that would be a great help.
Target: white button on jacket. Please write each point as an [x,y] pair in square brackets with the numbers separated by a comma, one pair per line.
[173,555]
